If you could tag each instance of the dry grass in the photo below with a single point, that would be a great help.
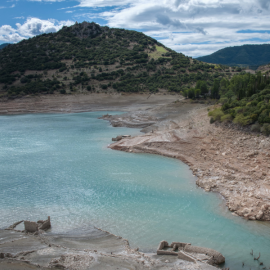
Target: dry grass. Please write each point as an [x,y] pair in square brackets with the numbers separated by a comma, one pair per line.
[158,52]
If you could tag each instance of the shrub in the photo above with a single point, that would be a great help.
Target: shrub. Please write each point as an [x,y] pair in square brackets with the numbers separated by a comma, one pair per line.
[256,127]
[265,129]
[242,120]
[212,120]
[216,114]
[63,91]
[226,118]
[223,100]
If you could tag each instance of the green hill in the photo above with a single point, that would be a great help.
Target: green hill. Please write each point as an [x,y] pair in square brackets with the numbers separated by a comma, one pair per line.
[3,45]
[87,57]
[246,55]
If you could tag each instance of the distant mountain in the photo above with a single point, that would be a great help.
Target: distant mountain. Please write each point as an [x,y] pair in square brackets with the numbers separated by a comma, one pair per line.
[246,55]
[3,45]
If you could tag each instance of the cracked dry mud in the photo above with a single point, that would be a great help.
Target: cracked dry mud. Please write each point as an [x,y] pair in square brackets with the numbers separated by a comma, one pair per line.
[224,158]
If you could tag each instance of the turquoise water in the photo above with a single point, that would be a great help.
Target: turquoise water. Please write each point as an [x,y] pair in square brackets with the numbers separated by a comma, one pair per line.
[59,165]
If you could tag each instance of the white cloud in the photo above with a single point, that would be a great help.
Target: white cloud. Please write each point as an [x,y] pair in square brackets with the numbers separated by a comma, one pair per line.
[186,25]
[46,0]
[12,6]
[194,27]
[30,28]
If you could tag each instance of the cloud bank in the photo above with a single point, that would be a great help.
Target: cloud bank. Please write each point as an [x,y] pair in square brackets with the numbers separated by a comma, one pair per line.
[193,27]
[30,28]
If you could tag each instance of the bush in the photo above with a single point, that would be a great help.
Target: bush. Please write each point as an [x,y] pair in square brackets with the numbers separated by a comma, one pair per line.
[212,120]
[216,114]
[265,129]
[256,127]
[242,120]
[63,91]
[24,80]
[88,88]
[226,118]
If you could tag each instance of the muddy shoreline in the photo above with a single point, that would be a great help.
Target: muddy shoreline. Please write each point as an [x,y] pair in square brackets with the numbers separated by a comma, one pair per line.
[229,161]
[83,103]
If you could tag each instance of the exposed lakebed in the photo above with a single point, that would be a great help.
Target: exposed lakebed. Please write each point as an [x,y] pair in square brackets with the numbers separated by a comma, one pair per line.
[59,165]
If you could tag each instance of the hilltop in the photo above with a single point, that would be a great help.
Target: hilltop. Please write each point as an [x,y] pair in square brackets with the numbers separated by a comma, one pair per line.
[87,57]
[246,55]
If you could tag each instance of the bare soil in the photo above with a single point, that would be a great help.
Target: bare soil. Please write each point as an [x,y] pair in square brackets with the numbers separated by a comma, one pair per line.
[225,159]
[83,103]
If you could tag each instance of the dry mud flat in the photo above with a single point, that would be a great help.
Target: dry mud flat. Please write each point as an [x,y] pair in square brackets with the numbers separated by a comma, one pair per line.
[225,160]
[90,248]
[82,103]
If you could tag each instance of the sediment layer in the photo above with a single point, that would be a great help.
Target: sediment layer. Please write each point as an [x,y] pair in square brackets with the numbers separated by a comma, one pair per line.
[82,249]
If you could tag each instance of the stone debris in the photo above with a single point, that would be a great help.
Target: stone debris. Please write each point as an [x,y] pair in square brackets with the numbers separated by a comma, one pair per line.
[40,225]
[187,252]
[95,249]
[30,226]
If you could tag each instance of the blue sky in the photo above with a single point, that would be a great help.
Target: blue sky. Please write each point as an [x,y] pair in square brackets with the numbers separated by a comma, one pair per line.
[193,27]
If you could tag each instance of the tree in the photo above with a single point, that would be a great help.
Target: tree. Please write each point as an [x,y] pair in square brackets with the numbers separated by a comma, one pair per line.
[204,88]
[197,92]
[229,95]
[215,89]
[198,84]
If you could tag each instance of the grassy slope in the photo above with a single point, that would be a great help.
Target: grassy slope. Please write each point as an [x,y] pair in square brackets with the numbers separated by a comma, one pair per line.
[86,56]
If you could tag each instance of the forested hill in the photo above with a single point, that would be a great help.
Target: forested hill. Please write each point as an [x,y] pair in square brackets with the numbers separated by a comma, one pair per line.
[250,55]
[88,57]
[3,45]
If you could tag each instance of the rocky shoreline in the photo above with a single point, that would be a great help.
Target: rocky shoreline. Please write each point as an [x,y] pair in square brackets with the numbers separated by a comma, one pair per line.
[229,161]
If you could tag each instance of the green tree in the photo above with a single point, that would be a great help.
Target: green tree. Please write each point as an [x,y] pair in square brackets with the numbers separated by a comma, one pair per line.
[197,92]
[215,89]
[204,88]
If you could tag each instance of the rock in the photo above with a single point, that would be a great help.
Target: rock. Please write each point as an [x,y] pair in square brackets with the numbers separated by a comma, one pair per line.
[2,255]
[118,138]
[259,215]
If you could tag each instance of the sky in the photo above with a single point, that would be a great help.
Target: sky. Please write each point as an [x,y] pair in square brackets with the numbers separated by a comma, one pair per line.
[193,27]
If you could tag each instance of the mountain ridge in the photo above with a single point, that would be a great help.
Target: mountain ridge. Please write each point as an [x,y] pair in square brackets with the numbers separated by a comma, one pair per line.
[4,45]
[245,55]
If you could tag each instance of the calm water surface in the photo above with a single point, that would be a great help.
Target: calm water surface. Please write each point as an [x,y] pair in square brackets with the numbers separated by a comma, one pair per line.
[59,165]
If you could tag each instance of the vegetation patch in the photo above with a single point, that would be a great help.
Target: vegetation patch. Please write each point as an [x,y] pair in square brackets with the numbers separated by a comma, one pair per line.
[246,101]
[157,52]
